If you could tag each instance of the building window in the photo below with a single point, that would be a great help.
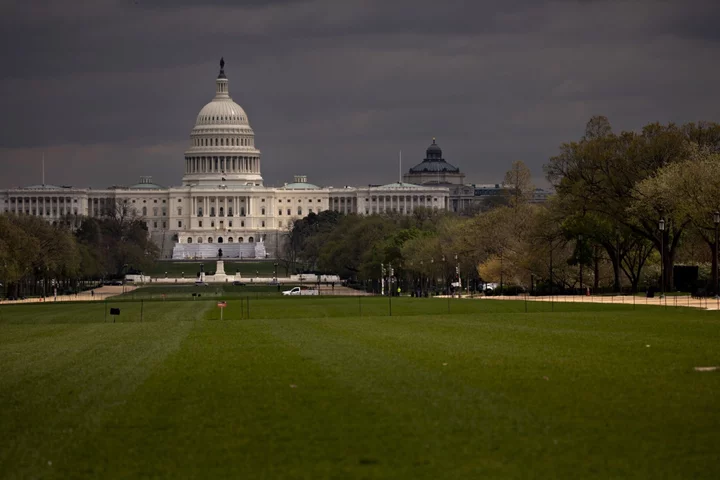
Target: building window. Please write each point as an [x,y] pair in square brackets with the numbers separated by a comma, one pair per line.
[155,211]
[212,224]
[199,240]
[179,200]
[280,223]
[200,224]
[250,240]
[179,223]
[179,210]
[144,211]
[309,210]
[230,239]
[154,201]
[242,223]
[164,211]
[299,210]
[230,223]
[288,212]
[189,240]
[209,239]
[154,224]
[279,211]
[262,211]
[164,225]
[262,223]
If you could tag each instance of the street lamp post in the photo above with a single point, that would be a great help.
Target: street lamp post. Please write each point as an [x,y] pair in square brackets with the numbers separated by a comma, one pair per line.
[444,274]
[716,220]
[457,275]
[661,227]
[422,286]
[432,272]
[501,272]
[580,239]
[551,270]
[275,272]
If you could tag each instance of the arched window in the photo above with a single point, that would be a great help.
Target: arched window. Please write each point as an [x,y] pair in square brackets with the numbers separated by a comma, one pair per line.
[210,240]
[250,240]
[220,240]
[199,240]
[212,211]
[144,210]
[216,142]
[240,240]
[262,211]
[222,211]
[230,239]
[222,142]
[189,240]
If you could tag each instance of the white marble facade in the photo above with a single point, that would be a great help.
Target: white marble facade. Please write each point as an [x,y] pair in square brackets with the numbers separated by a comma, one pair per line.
[222,199]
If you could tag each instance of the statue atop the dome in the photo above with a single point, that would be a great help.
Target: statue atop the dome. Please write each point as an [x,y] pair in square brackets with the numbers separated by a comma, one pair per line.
[222,68]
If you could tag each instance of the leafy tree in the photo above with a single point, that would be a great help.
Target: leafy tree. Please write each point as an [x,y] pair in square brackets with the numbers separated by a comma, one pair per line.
[518,181]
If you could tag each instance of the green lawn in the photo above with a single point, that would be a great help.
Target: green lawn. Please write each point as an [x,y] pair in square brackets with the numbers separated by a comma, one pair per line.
[337,388]
[213,290]
[190,269]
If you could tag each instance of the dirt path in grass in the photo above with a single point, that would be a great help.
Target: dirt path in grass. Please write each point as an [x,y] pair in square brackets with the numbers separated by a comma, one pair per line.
[106,291]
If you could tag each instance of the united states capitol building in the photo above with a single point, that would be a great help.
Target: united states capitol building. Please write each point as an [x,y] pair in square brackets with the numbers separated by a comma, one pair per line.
[223,203]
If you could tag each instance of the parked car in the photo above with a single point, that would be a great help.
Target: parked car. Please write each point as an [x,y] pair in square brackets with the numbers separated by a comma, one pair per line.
[238,283]
[301,291]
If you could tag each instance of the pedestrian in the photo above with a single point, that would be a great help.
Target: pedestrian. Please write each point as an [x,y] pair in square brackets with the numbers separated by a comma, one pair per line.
[92,293]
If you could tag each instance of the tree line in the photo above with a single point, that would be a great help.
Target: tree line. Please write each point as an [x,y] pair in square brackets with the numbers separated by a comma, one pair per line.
[37,257]
[627,207]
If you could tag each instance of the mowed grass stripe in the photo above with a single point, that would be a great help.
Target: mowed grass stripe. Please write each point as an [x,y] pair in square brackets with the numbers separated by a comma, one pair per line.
[238,402]
[336,307]
[56,388]
[99,312]
[555,396]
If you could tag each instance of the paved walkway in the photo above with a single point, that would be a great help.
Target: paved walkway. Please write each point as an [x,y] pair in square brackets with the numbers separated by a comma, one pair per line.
[106,291]
[667,301]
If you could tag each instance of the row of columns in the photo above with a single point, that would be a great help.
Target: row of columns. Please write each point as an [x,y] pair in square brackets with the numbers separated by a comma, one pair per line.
[227,203]
[222,165]
[53,205]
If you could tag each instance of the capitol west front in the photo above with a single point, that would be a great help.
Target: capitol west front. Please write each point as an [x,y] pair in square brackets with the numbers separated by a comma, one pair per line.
[222,202]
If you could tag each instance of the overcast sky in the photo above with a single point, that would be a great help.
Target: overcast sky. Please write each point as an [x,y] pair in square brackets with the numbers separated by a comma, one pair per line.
[109,90]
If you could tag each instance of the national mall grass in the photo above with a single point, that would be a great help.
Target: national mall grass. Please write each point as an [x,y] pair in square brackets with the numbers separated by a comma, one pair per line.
[336,388]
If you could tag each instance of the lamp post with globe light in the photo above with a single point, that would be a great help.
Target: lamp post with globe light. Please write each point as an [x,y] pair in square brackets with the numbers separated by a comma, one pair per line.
[716,221]
[661,227]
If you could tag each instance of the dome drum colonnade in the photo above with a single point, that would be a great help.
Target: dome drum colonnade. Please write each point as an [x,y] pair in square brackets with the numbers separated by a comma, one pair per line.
[222,142]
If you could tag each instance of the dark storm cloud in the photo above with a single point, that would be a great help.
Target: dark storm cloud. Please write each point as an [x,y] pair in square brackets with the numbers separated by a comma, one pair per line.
[109,90]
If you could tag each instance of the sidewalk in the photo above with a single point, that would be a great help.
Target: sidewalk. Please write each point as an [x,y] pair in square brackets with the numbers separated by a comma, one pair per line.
[668,301]
[101,293]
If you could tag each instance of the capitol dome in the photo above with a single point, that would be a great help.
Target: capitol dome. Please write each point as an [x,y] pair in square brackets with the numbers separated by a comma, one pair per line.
[222,143]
